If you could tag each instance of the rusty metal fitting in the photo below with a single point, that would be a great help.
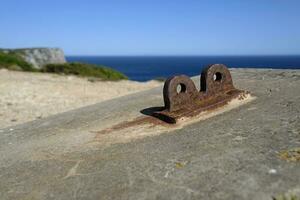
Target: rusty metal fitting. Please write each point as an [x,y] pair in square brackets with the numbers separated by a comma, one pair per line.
[182,99]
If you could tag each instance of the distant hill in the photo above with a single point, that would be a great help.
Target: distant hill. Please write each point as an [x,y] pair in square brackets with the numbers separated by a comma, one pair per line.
[52,60]
[39,57]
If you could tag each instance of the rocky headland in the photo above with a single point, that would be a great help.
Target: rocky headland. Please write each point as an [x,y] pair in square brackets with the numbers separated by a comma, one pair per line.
[38,57]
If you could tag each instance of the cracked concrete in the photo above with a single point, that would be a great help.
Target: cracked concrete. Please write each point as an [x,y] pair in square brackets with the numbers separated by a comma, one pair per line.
[234,155]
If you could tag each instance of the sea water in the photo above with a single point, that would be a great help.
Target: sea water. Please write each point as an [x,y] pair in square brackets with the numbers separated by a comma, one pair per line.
[144,68]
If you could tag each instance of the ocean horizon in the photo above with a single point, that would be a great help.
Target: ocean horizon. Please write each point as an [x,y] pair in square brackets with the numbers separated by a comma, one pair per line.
[144,68]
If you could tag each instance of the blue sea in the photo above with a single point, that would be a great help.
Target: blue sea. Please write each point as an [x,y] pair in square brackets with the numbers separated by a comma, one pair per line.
[144,68]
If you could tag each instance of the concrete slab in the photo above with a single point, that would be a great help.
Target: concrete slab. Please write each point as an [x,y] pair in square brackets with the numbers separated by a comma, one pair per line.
[247,153]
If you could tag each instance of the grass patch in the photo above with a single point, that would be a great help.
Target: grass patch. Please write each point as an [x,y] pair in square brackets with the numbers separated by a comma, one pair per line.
[84,70]
[13,61]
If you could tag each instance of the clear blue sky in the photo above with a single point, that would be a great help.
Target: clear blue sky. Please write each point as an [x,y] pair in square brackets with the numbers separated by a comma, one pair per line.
[153,27]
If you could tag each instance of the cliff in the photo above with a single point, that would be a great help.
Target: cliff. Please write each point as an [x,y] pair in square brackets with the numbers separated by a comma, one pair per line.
[39,57]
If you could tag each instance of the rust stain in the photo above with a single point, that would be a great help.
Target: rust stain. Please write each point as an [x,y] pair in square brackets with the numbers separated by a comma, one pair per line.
[135,122]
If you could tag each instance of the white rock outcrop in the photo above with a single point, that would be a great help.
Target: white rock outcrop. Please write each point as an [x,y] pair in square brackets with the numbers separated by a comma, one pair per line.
[39,57]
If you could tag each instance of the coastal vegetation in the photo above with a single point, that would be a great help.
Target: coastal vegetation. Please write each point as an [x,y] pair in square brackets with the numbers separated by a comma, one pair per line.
[13,61]
[84,70]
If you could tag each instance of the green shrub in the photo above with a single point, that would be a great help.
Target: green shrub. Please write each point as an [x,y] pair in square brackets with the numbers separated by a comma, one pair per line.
[84,70]
[13,61]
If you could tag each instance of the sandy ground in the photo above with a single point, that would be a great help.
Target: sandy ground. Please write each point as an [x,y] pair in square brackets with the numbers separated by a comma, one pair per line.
[28,96]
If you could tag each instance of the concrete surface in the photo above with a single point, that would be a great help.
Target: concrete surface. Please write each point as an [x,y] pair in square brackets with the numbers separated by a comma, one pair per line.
[234,155]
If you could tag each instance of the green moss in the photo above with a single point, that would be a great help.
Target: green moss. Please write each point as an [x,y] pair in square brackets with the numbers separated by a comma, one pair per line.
[13,61]
[84,70]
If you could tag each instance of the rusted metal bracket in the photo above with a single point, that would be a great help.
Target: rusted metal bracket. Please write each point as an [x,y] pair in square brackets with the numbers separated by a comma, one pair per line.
[182,99]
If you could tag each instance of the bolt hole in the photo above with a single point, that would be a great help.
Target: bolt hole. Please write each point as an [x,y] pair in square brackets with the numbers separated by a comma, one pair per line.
[217,76]
[181,88]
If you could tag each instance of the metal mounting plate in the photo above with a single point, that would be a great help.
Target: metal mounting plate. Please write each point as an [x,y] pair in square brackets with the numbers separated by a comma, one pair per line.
[182,99]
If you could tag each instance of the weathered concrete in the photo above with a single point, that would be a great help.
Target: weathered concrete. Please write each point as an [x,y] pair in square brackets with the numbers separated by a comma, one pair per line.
[230,156]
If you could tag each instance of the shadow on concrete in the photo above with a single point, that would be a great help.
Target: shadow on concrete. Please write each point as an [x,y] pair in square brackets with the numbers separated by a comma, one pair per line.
[151,110]
[155,112]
